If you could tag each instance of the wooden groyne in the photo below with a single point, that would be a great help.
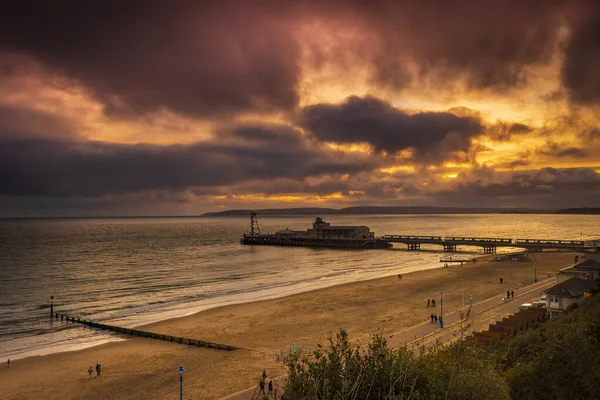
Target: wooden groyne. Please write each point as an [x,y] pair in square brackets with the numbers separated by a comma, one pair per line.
[145,334]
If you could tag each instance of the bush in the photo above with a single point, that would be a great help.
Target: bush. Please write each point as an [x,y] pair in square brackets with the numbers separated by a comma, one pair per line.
[343,371]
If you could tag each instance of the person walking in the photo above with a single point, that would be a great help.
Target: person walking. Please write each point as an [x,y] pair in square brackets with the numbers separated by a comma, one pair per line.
[8,363]
[508,294]
[501,281]
[270,386]
[512,294]
[90,370]
[432,302]
[431,316]
[428,302]
[263,381]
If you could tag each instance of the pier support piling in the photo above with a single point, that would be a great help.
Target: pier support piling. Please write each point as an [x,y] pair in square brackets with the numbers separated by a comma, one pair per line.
[414,246]
[449,248]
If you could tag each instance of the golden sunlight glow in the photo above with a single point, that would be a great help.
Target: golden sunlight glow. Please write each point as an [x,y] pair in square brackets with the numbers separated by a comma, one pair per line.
[281,198]
[397,168]
[352,147]
[449,175]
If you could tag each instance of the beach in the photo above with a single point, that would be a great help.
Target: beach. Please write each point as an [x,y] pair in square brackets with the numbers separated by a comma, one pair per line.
[142,368]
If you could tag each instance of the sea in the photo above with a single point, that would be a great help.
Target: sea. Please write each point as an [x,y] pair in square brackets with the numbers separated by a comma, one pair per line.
[134,271]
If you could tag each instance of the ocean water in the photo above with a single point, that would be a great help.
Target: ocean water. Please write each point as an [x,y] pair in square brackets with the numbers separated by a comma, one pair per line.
[132,271]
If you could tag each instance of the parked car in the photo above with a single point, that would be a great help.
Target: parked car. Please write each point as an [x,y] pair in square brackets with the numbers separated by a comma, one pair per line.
[543,299]
[525,306]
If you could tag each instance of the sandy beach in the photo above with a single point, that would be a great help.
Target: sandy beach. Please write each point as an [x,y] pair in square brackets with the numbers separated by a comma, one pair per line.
[147,369]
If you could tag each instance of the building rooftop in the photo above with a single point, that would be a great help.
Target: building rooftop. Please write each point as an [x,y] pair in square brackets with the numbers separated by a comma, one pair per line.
[572,287]
[588,264]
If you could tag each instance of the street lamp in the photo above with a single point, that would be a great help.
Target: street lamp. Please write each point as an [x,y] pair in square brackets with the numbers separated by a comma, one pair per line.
[441,309]
[181,370]
[51,306]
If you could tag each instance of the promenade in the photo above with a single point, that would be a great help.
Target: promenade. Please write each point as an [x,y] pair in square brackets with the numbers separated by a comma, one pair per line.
[483,313]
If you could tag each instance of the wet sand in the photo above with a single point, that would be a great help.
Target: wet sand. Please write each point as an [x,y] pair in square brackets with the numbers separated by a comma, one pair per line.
[147,369]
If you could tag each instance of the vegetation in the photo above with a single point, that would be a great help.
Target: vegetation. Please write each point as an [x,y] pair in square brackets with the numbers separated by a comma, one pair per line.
[343,371]
[558,360]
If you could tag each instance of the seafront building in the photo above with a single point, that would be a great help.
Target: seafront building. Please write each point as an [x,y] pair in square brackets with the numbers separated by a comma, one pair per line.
[588,269]
[322,229]
[573,290]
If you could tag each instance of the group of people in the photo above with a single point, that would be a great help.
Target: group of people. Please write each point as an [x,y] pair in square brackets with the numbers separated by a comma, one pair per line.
[98,371]
[434,318]
[430,302]
[510,294]
[263,383]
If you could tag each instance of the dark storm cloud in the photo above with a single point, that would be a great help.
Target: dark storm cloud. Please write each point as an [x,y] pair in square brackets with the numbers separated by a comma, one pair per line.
[546,187]
[45,167]
[489,43]
[139,56]
[432,135]
[560,150]
[505,131]
[17,122]
[207,59]
[582,57]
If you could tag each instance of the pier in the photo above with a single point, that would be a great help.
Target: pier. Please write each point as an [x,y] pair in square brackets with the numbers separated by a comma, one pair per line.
[323,234]
[489,245]
[145,334]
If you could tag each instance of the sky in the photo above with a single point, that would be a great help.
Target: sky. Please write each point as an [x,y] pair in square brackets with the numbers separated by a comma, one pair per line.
[184,107]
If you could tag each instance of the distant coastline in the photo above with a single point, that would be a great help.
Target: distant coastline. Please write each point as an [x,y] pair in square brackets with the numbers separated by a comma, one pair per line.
[359,210]
[374,210]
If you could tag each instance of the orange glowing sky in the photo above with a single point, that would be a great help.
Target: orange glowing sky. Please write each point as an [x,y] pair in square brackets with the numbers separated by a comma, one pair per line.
[289,104]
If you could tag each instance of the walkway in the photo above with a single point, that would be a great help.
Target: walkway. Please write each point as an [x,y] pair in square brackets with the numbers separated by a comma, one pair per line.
[483,313]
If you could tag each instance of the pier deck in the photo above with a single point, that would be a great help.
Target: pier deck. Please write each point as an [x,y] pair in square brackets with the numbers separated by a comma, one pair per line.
[414,242]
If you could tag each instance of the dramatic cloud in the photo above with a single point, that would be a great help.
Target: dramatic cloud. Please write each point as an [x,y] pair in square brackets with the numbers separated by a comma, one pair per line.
[18,122]
[547,187]
[489,44]
[140,56]
[503,131]
[329,103]
[432,135]
[582,58]
[44,167]
[560,150]
[206,59]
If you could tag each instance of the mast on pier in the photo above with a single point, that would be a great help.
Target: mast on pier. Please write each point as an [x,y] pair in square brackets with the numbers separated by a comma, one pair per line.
[254,221]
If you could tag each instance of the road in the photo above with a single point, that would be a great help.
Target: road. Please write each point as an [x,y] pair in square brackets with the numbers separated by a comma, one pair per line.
[483,313]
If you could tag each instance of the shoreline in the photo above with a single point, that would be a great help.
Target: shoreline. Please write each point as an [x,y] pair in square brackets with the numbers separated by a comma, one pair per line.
[201,306]
[387,305]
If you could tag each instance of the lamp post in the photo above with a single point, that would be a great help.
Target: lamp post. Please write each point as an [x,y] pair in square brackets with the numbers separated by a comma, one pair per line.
[441,309]
[471,301]
[181,370]
[51,306]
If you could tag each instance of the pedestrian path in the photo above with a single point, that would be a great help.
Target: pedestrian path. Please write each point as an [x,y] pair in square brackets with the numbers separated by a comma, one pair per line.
[483,313]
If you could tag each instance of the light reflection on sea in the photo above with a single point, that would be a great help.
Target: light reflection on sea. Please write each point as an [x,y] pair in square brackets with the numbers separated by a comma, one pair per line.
[132,271]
